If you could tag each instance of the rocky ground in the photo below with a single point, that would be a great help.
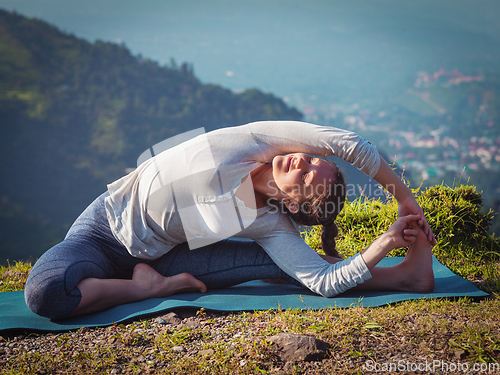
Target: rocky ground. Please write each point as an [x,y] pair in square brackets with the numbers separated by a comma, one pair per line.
[408,338]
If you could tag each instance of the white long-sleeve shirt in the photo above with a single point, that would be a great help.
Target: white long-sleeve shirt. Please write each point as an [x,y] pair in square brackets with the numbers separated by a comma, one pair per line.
[186,194]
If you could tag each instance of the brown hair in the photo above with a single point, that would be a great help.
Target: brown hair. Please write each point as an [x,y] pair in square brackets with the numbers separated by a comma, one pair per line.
[323,210]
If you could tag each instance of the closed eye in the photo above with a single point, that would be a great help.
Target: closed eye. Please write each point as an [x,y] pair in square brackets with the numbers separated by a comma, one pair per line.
[306,175]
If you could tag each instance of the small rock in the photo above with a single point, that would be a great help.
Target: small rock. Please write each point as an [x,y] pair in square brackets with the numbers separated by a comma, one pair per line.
[114,371]
[178,349]
[460,354]
[172,318]
[294,348]
[160,321]
[243,363]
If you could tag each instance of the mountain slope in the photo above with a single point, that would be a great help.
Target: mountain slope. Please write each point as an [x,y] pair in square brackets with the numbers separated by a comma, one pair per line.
[74,115]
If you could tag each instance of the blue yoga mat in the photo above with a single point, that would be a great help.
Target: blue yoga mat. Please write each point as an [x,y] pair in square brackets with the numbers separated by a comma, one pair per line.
[250,296]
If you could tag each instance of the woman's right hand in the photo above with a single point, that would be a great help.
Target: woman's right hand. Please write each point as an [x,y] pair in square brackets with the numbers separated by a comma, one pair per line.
[403,232]
[409,205]
[400,234]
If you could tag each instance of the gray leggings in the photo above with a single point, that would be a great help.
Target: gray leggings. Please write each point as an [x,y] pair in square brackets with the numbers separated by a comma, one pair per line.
[90,250]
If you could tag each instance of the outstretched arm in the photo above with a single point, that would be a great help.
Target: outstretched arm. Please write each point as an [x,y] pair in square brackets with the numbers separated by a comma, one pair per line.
[289,251]
[406,201]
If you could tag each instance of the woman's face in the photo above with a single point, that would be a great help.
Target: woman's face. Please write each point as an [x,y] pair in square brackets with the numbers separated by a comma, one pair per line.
[301,175]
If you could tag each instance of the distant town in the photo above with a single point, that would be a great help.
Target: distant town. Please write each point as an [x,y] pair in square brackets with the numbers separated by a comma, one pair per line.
[447,141]
[448,78]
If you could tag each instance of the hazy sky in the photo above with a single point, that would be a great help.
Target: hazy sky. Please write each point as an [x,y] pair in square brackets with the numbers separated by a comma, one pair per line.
[282,46]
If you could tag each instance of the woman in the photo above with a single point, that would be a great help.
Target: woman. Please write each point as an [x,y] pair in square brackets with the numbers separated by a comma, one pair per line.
[158,230]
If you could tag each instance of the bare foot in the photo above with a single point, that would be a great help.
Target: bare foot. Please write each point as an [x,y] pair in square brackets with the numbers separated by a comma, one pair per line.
[417,266]
[156,285]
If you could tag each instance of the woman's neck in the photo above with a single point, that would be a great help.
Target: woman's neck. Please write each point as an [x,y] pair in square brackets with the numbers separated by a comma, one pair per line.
[263,184]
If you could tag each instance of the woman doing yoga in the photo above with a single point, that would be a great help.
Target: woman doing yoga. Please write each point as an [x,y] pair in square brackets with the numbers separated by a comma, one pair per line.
[171,225]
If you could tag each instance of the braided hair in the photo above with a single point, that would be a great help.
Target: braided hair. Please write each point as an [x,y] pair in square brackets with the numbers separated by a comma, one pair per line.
[323,210]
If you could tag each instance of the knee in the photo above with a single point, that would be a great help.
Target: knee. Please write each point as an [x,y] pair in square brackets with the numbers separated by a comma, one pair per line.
[47,297]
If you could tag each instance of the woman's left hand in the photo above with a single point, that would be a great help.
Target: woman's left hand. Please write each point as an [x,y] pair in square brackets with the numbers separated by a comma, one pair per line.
[409,206]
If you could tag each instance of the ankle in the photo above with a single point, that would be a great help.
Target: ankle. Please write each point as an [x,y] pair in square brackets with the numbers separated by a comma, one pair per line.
[416,280]
[146,281]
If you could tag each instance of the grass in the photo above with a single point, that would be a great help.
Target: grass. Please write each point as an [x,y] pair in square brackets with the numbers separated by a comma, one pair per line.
[13,277]
[411,332]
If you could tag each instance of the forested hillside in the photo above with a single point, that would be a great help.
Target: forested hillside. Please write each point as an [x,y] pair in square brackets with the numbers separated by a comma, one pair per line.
[74,115]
